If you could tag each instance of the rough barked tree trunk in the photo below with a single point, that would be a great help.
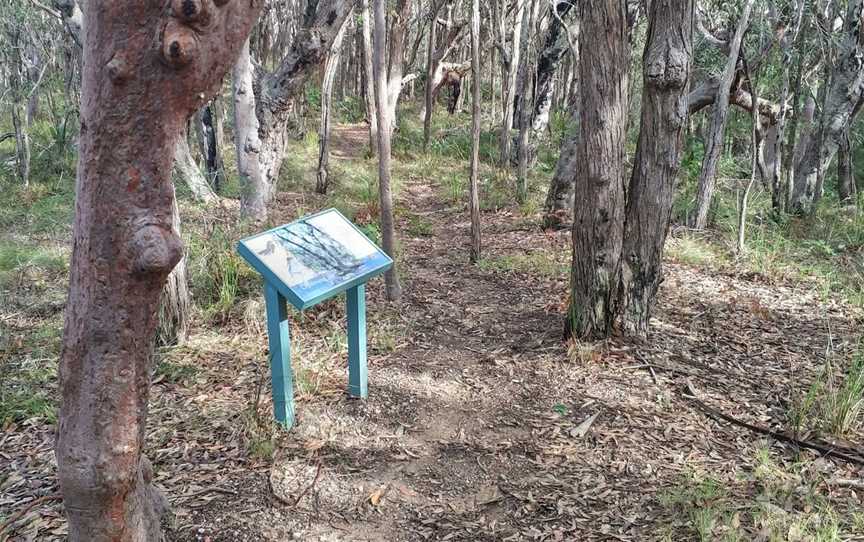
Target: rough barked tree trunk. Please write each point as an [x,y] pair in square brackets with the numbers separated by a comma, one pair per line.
[473,186]
[598,219]
[369,89]
[666,73]
[714,141]
[330,67]
[525,107]
[207,128]
[385,131]
[137,93]
[846,91]
[846,187]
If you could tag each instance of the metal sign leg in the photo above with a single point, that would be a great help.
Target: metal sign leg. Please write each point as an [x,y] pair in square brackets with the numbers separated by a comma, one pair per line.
[280,356]
[357,371]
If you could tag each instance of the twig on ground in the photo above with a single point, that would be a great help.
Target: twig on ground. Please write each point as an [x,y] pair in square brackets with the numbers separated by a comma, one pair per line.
[776,435]
[314,481]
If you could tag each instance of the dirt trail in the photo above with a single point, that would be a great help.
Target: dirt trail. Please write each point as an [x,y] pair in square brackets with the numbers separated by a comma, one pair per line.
[480,424]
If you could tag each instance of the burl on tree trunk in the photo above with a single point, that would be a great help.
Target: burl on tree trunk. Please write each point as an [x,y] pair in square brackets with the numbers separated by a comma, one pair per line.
[146,70]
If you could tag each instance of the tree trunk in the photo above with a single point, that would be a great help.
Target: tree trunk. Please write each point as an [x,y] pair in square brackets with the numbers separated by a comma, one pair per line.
[840,107]
[779,188]
[385,129]
[133,111]
[556,45]
[188,171]
[175,303]
[369,89]
[473,187]
[525,107]
[206,123]
[846,187]
[559,200]
[431,66]
[510,85]
[598,224]
[756,161]
[330,67]
[714,142]
[264,105]
[253,183]
[666,67]
[22,144]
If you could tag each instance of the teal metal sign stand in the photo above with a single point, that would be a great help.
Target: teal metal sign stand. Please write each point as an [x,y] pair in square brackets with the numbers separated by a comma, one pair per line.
[306,262]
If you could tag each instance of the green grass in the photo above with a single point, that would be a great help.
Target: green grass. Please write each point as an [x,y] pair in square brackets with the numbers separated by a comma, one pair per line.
[419,226]
[219,278]
[833,401]
[772,500]
[539,263]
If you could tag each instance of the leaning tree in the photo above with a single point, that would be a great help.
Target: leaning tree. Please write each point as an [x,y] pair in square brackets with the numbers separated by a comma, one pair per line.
[147,69]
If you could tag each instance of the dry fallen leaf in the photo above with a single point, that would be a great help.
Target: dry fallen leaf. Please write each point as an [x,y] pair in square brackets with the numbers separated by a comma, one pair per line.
[582,429]
[377,495]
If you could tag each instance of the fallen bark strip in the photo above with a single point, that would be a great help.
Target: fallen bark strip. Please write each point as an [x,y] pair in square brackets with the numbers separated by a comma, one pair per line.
[782,437]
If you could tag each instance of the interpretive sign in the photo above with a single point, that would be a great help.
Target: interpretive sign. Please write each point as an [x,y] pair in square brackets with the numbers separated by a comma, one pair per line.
[306,262]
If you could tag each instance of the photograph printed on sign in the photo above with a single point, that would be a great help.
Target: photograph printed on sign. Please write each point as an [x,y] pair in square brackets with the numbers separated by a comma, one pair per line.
[314,254]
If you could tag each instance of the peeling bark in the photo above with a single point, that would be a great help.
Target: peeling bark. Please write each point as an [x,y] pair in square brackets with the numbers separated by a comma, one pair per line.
[846,187]
[175,304]
[510,85]
[136,97]
[556,45]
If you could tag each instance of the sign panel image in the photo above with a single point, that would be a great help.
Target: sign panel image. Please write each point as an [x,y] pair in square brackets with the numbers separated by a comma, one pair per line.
[315,257]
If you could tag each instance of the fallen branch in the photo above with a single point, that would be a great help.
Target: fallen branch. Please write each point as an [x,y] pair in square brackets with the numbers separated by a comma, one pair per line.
[21,513]
[310,486]
[776,435]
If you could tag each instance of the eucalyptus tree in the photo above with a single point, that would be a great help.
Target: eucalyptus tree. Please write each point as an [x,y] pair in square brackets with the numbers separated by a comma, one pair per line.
[388,85]
[137,94]
[473,186]
[598,220]
[264,100]
[666,68]
[330,67]
[720,115]
[843,92]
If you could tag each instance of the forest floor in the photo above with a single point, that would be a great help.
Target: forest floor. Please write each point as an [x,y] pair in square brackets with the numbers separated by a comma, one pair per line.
[482,423]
